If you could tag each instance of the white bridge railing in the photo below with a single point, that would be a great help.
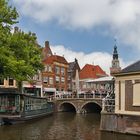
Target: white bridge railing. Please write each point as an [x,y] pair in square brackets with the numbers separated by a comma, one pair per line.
[108,105]
[108,100]
[78,96]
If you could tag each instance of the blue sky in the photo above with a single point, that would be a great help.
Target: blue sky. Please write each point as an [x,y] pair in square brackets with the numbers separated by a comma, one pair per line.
[84,29]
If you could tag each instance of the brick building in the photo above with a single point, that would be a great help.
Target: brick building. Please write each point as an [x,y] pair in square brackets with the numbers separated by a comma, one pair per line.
[90,72]
[54,76]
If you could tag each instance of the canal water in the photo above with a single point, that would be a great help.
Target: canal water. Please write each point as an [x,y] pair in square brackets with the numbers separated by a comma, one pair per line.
[61,126]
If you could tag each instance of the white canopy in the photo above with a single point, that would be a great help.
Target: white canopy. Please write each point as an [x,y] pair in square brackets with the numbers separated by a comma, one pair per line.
[49,89]
[107,78]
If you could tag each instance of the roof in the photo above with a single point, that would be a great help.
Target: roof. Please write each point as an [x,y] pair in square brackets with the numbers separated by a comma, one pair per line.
[91,71]
[55,58]
[135,67]
[107,78]
[71,66]
[8,90]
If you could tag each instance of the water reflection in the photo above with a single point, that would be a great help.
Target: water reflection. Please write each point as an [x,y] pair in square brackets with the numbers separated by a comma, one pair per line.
[61,126]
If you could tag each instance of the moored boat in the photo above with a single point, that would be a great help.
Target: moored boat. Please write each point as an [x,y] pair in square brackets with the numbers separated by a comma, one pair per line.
[16,107]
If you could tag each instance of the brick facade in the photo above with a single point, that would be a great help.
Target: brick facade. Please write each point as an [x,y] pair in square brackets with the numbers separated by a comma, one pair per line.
[55,73]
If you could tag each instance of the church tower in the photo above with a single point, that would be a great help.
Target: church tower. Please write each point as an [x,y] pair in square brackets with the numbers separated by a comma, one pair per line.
[115,68]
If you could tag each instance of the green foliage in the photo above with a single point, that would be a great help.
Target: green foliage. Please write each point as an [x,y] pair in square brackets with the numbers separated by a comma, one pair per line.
[20,56]
[26,52]
[8,17]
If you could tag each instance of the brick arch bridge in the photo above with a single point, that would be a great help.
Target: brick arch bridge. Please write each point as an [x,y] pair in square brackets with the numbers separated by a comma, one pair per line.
[79,105]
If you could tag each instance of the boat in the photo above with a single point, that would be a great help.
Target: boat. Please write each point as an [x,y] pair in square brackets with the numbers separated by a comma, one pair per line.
[16,107]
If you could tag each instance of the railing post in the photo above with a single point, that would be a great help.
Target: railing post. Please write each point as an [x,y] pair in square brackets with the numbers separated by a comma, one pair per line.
[94,95]
[100,95]
[103,104]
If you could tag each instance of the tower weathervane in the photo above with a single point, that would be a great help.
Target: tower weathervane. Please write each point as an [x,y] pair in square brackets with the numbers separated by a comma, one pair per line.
[115,40]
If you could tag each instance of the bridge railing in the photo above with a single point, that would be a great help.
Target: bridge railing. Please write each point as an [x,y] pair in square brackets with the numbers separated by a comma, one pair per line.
[108,105]
[81,96]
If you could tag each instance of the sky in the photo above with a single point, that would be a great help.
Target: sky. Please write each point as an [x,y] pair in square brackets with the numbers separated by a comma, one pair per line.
[84,29]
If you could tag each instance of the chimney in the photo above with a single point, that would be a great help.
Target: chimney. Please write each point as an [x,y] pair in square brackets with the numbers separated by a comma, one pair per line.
[46,43]
[76,60]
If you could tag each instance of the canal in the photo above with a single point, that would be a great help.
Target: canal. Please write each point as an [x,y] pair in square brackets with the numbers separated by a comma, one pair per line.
[61,126]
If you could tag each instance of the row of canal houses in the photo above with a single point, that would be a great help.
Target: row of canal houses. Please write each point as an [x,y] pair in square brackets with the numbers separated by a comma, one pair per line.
[61,76]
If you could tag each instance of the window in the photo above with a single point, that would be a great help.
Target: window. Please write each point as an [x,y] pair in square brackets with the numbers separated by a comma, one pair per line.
[1,81]
[11,82]
[63,71]
[69,77]
[51,80]
[136,94]
[57,79]
[62,80]
[36,77]
[45,80]
[46,68]
[49,68]
[57,70]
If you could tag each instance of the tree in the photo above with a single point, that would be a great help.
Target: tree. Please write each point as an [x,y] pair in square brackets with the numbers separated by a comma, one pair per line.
[20,54]
[8,17]
[27,56]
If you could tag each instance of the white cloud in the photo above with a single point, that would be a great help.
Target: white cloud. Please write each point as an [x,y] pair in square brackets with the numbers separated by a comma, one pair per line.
[122,17]
[102,59]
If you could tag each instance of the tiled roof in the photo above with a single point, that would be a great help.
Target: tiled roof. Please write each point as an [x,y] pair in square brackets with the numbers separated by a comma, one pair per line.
[55,58]
[91,71]
[135,67]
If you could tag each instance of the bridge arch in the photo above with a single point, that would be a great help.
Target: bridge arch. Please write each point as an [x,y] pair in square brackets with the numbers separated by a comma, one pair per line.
[67,107]
[91,107]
